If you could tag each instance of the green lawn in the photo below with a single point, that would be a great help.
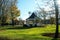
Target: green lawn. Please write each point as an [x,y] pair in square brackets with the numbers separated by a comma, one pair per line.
[28,34]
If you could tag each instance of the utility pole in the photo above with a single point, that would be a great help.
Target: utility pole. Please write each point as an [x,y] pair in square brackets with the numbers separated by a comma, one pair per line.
[56,12]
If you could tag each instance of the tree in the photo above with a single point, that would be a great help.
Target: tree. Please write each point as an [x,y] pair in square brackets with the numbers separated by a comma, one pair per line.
[56,11]
[53,4]
[42,13]
[55,7]
[5,10]
[52,20]
[14,13]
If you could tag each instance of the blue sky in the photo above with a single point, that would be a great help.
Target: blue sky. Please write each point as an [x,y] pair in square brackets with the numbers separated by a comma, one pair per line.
[30,5]
[25,6]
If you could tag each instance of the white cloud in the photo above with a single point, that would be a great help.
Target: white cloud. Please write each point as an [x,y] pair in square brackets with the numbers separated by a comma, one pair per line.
[48,9]
[58,2]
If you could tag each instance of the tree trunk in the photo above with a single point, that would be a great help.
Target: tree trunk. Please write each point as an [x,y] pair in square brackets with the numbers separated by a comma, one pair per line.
[56,11]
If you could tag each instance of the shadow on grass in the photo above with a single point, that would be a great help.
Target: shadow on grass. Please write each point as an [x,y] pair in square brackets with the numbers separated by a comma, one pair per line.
[24,38]
[14,27]
[4,38]
[51,35]
[19,27]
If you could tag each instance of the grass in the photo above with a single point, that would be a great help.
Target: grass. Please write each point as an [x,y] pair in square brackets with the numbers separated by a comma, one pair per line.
[27,34]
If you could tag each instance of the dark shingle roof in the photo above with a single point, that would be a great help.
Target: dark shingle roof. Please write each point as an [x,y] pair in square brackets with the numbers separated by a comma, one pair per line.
[32,16]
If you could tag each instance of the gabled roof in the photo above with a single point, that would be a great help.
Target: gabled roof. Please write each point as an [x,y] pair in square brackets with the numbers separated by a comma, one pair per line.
[32,16]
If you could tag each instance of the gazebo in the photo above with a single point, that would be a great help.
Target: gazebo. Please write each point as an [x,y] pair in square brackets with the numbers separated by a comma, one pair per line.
[33,20]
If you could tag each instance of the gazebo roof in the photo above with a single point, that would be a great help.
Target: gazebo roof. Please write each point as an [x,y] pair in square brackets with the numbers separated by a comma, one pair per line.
[32,16]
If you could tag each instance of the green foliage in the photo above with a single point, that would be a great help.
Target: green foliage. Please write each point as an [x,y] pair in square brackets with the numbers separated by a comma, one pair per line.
[52,20]
[6,12]
[14,11]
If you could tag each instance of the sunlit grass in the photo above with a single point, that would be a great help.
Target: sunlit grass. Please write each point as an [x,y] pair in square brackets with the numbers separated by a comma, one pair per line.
[28,34]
